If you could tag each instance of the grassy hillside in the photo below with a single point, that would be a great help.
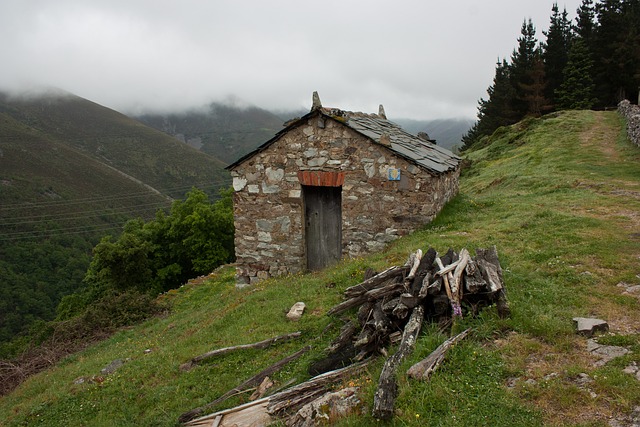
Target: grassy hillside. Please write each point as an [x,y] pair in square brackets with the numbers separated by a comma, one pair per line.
[558,196]
[226,132]
[114,139]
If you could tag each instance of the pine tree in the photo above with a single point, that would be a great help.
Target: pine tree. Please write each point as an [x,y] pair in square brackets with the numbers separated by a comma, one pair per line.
[616,48]
[497,110]
[556,50]
[585,22]
[577,89]
[522,62]
[535,91]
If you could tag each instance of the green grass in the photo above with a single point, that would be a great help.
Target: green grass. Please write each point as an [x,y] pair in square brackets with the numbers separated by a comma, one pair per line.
[548,193]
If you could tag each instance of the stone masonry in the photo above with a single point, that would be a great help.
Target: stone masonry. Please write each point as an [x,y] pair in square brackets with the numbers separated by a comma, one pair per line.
[631,113]
[269,205]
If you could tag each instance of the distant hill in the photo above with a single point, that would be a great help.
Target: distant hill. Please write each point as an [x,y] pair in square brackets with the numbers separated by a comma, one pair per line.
[446,132]
[228,132]
[115,140]
[72,171]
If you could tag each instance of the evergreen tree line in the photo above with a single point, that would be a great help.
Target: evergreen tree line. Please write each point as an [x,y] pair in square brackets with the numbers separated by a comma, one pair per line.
[590,63]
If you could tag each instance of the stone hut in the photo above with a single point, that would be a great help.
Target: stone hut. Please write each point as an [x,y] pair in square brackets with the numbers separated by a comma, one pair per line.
[334,184]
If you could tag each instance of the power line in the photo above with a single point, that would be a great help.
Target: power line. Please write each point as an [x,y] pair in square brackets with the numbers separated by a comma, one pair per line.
[80,215]
[115,197]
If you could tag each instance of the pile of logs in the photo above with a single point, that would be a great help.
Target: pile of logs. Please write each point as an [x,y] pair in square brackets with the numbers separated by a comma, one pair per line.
[393,304]
[391,308]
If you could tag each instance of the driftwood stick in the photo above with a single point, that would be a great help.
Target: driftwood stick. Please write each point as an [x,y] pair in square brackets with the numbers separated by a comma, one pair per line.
[415,265]
[281,402]
[445,278]
[385,397]
[251,382]
[446,269]
[423,369]
[226,350]
[457,274]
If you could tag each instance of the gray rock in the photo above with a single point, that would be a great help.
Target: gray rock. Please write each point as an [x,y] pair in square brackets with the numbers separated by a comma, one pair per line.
[583,379]
[606,353]
[588,327]
[112,367]
[296,311]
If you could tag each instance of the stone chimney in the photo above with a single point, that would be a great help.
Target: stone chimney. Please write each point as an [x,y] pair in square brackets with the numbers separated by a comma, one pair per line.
[381,112]
[425,137]
[316,104]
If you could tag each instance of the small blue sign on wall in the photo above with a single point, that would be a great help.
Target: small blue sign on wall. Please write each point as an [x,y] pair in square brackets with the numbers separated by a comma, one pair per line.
[394,174]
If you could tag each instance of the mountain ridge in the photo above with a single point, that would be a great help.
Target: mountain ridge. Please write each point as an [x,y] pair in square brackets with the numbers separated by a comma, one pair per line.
[72,171]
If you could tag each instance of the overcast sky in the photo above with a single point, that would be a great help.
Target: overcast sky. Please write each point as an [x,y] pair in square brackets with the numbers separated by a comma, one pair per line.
[422,59]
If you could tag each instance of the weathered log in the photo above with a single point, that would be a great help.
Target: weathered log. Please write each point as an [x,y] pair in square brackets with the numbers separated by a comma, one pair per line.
[281,403]
[489,264]
[265,385]
[365,337]
[284,402]
[425,265]
[375,281]
[385,396]
[430,286]
[345,337]
[441,305]
[456,287]
[388,289]
[390,305]
[343,356]
[409,300]
[473,280]
[365,312]
[251,382]
[445,278]
[423,369]
[380,320]
[444,269]
[226,350]
[415,264]
[401,311]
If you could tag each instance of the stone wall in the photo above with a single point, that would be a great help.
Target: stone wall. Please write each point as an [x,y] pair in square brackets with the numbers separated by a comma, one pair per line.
[268,199]
[631,113]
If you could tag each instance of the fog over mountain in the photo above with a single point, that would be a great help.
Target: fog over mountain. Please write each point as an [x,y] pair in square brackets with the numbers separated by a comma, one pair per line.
[422,60]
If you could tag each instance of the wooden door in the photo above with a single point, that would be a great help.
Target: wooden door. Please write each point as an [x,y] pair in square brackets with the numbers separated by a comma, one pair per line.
[323,225]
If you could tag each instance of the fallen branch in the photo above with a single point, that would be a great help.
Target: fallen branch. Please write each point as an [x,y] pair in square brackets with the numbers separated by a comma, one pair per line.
[251,382]
[385,397]
[423,369]
[284,402]
[226,350]
[375,281]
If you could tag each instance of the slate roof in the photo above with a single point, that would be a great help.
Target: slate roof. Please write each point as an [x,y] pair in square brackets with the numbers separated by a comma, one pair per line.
[378,129]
